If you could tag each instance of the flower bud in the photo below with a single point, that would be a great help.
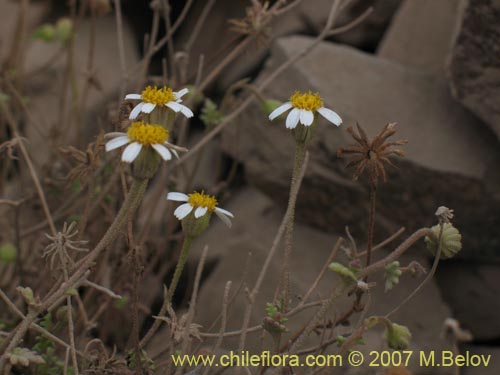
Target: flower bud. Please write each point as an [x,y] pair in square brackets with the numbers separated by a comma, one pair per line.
[46,33]
[398,337]
[28,295]
[303,134]
[346,273]
[64,29]
[451,240]
[8,253]
[193,226]
[146,164]
[392,274]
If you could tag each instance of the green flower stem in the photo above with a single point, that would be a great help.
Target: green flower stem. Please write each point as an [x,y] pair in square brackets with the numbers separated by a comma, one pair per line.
[300,151]
[186,246]
[129,206]
[167,301]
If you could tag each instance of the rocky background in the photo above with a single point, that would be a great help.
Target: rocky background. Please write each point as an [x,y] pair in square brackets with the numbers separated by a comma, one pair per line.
[431,66]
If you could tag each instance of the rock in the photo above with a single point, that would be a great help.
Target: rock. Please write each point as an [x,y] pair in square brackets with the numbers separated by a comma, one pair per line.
[369,33]
[473,296]
[421,34]
[450,160]
[44,89]
[256,222]
[475,68]
[308,17]
[493,365]
[10,11]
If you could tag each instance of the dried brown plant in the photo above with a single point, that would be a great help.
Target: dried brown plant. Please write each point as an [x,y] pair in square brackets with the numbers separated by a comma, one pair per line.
[372,154]
[253,24]
[87,161]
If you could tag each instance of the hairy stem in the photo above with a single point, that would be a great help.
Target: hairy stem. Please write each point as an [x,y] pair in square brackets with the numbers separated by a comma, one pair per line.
[297,166]
[371,222]
[188,240]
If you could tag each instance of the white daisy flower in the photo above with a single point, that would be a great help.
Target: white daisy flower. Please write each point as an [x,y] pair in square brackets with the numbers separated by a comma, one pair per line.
[153,96]
[304,106]
[140,135]
[201,203]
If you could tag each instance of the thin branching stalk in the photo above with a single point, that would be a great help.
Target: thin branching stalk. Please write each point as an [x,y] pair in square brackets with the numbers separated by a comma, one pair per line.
[223,324]
[192,305]
[41,194]
[35,326]
[137,270]
[371,221]
[131,204]
[121,49]
[410,241]
[427,278]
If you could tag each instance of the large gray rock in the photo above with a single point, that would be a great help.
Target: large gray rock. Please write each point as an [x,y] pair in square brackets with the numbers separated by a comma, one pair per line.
[44,89]
[308,17]
[494,362]
[421,34]
[368,34]
[450,160]
[473,296]
[475,67]
[9,12]
[242,250]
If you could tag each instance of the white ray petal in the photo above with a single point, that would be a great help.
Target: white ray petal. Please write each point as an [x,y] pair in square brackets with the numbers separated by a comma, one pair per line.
[180,94]
[133,96]
[226,220]
[293,118]
[330,115]
[163,151]
[131,152]
[306,117]
[183,210]
[186,111]
[225,212]
[135,112]
[176,107]
[114,134]
[200,211]
[178,197]
[148,107]
[280,110]
[117,142]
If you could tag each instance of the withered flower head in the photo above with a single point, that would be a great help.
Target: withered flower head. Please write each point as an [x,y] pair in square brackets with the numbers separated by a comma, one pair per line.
[254,23]
[61,243]
[444,214]
[373,154]
[86,162]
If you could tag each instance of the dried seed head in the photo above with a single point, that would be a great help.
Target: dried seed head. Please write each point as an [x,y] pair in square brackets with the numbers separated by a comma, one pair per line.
[254,23]
[60,245]
[372,154]
[86,162]
[451,240]
[451,327]
[444,214]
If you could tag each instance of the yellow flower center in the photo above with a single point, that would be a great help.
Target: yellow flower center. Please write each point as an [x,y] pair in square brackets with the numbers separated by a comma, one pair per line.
[158,96]
[202,200]
[147,134]
[307,100]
